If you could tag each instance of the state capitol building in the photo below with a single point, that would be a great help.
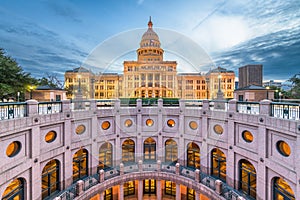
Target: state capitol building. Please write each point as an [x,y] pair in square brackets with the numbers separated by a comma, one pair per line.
[150,77]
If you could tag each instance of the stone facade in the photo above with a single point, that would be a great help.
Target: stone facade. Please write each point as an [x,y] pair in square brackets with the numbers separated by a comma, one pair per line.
[262,152]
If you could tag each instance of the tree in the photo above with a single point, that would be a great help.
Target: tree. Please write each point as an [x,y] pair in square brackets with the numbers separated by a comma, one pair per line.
[50,80]
[295,91]
[12,78]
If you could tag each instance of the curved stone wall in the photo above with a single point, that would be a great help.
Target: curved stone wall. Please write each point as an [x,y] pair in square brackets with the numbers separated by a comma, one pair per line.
[262,152]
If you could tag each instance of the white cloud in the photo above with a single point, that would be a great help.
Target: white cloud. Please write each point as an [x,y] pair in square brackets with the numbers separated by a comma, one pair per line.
[221,32]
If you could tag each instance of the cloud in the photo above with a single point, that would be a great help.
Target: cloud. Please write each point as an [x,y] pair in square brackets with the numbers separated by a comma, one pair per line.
[64,10]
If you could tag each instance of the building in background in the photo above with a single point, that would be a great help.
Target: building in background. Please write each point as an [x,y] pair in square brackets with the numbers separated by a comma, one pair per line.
[250,75]
[150,76]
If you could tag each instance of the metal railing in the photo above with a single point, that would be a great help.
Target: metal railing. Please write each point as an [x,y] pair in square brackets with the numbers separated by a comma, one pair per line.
[190,173]
[49,107]
[285,110]
[248,107]
[13,110]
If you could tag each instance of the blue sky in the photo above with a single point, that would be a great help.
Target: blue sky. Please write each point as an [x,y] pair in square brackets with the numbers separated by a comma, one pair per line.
[52,36]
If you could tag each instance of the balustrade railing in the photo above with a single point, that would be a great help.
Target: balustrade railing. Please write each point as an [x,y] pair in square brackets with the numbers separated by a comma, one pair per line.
[248,107]
[282,110]
[49,107]
[285,110]
[13,110]
[85,184]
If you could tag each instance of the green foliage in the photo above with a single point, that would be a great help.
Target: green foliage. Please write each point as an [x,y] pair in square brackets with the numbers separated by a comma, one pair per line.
[295,91]
[12,78]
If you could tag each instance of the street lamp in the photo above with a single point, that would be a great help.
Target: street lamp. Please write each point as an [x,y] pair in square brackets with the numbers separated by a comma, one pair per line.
[267,91]
[219,77]
[207,85]
[79,84]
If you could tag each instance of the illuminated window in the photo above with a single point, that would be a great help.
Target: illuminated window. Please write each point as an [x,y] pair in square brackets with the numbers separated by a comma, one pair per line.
[80,129]
[171,123]
[149,122]
[218,164]
[282,190]
[129,188]
[193,155]
[105,125]
[193,125]
[149,186]
[283,148]
[128,122]
[190,194]
[14,191]
[105,156]
[108,195]
[170,188]
[13,149]
[149,149]
[218,129]
[50,136]
[128,151]
[247,178]
[171,154]
[80,164]
[247,136]
[50,179]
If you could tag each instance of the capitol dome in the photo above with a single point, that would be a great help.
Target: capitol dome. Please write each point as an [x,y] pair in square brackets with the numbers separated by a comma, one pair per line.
[150,38]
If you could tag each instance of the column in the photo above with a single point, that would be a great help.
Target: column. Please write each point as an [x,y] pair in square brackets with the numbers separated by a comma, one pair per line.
[158,189]
[160,146]
[178,194]
[140,190]
[121,192]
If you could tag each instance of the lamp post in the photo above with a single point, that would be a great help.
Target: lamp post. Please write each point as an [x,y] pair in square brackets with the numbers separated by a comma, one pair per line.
[79,84]
[207,85]
[219,78]
[267,91]
[18,96]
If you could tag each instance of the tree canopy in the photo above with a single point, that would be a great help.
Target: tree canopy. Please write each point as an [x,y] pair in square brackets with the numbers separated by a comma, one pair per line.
[295,91]
[14,80]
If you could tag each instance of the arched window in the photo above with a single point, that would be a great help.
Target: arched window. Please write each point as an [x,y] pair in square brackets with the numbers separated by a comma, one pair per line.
[218,160]
[80,164]
[193,155]
[108,194]
[171,151]
[247,179]
[170,188]
[50,179]
[105,156]
[15,190]
[191,195]
[128,151]
[282,190]
[150,186]
[149,149]
[129,188]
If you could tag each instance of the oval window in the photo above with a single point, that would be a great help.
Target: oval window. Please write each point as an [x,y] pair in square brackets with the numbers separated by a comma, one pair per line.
[247,136]
[128,122]
[283,148]
[193,125]
[13,149]
[105,125]
[149,122]
[80,129]
[171,123]
[218,129]
[50,136]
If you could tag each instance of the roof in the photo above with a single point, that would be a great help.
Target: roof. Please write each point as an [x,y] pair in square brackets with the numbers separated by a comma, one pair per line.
[219,70]
[78,69]
[47,87]
[252,87]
